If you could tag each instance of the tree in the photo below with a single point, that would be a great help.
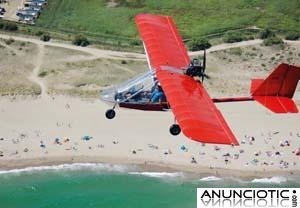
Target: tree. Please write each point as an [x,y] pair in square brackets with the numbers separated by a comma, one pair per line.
[232,37]
[45,37]
[80,40]
[198,44]
[9,26]
[266,33]
[274,40]
[292,36]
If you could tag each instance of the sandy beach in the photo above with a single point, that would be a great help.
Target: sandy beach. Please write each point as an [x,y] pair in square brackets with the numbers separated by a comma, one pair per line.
[38,132]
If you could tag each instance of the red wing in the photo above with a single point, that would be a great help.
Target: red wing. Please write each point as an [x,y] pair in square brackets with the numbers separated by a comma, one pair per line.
[163,42]
[194,110]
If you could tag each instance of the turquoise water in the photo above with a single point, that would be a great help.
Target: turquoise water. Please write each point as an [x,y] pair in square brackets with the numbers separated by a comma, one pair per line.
[111,186]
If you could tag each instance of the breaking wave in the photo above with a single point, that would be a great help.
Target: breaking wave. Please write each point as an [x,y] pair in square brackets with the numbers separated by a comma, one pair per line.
[93,167]
[74,166]
[211,178]
[275,179]
[158,174]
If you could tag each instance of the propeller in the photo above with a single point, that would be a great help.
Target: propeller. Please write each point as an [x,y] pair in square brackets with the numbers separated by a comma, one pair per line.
[204,66]
[206,76]
[194,69]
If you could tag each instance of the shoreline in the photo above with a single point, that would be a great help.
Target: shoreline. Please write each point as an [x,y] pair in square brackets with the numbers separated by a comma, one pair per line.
[150,166]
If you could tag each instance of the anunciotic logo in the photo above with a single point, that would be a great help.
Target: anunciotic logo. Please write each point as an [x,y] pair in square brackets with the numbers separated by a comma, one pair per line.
[247,197]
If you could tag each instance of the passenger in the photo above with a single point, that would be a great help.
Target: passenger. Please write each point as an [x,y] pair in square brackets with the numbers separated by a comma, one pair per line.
[157,95]
[130,92]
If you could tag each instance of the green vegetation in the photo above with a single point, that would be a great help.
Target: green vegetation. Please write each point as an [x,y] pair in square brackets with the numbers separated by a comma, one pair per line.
[238,36]
[39,33]
[293,36]
[270,38]
[232,37]
[236,51]
[9,26]
[198,44]
[9,41]
[42,73]
[273,40]
[266,33]
[112,22]
[45,37]
[80,40]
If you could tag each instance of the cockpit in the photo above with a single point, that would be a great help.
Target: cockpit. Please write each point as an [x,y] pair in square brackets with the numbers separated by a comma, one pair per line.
[143,89]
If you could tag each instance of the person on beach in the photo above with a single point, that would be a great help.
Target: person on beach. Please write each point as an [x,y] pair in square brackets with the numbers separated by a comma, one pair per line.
[193,160]
[42,145]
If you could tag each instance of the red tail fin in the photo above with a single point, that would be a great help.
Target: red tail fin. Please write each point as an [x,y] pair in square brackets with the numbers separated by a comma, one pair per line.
[276,91]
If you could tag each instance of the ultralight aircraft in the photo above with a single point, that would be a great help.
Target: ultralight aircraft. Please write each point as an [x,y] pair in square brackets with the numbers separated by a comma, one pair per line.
[175,82]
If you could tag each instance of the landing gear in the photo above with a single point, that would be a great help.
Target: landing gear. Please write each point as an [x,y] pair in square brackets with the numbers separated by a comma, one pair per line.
[175,129]
[110,113]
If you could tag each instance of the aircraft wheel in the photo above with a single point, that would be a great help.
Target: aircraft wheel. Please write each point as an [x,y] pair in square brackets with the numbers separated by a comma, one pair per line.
[175,129]
[110,114]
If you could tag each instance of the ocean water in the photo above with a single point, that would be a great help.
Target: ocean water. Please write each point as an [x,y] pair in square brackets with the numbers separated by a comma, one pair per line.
[105,185]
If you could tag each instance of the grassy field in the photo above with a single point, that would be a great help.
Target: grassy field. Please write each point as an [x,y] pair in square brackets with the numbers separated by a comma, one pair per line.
[112,21]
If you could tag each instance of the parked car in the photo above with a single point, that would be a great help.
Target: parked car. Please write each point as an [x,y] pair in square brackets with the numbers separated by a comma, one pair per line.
[33,3]
[28,19]
[35,8]
[2,11]
[28,12]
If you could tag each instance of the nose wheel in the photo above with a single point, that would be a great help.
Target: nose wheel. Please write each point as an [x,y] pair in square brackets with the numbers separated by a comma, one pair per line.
[110,114]
[175,129]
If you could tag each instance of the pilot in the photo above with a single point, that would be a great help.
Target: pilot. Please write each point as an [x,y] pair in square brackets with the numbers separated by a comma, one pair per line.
[157,94]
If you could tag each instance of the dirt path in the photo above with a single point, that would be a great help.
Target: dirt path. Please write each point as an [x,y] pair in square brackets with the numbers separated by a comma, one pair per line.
[34,77]
[96,53]
[225,46]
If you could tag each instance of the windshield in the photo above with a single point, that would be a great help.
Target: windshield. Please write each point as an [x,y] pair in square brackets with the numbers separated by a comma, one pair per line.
[136,89]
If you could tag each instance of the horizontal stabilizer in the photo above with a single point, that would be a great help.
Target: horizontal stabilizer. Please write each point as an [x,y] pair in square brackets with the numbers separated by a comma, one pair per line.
[277,104]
